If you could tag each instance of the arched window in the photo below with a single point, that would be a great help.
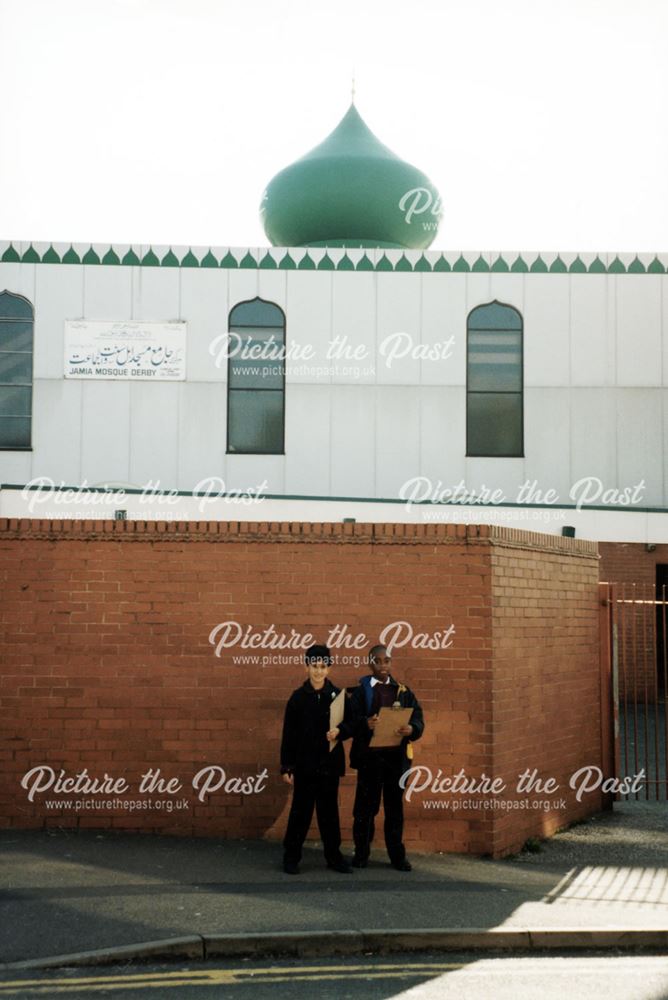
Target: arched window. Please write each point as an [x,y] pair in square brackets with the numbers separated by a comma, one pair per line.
[494,421]
[16,336]
[256,379]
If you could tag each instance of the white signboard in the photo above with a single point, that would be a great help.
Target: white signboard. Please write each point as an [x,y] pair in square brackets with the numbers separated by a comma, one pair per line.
[151,352]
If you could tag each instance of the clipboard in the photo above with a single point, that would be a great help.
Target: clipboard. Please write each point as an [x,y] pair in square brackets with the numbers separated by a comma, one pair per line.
[389,720]
[336,713]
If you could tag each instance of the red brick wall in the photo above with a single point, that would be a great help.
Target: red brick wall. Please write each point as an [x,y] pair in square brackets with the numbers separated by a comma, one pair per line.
[633,569]
[630,562]
[546,695]
[107,665]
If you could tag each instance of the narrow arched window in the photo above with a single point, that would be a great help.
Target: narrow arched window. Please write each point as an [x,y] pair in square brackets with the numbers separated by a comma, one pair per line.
[494,382]
[16,337]
[256,379]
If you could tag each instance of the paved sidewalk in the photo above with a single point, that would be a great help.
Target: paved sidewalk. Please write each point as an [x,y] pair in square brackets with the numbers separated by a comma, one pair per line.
[63,892]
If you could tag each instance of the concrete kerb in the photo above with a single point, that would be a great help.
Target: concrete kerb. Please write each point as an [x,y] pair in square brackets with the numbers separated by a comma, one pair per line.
[319,944]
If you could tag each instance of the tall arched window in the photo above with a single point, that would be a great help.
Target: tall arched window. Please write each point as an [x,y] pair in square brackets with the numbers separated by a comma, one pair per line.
[16,336]
[494,420]
[256,379]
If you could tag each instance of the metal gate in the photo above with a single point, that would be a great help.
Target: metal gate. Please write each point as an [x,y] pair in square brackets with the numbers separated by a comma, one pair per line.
[636,648]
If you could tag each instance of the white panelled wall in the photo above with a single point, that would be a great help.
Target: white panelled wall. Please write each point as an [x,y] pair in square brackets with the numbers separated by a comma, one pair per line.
[595,370]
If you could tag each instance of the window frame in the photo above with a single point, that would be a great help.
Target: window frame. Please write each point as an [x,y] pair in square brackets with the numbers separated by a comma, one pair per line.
[31,352]
[495,392]
[233,328]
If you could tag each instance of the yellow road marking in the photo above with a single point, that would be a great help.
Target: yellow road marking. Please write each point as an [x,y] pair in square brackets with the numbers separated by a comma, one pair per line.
[217,977]
[130,977]
[49,989]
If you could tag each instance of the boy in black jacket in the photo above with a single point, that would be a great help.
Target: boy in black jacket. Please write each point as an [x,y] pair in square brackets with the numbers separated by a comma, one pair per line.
[379,771]
[308,764]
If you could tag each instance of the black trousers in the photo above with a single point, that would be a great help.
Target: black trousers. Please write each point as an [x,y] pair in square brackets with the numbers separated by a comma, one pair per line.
[379,775]
[322,792]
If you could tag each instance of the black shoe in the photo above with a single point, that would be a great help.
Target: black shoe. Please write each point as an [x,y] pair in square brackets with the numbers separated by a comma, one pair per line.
[291,868]
[340,866]
[359,862]
[402,866]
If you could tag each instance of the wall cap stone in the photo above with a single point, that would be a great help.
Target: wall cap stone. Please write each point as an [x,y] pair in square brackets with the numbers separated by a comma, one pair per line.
[67,529]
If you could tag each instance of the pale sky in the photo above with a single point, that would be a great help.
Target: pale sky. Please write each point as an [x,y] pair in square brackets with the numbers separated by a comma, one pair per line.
[544,123]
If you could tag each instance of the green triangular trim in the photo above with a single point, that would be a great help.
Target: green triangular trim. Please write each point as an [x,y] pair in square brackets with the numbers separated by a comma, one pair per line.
[71,257]
[111,257]
[423,264]
[268,263]
[130,259]
[90,257]
[51,257]
[364,264]
[208,260]
[442,264]
[248,260]
[306,263]
[170,259]
[326,263]
[190,260]
[287,262]
[11,256]
[30,256]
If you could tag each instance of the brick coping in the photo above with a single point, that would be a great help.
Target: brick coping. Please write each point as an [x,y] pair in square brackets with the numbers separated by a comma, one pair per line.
[69,529]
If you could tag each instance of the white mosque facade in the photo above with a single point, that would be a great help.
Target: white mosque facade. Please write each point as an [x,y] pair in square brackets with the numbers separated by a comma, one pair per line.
[365,377]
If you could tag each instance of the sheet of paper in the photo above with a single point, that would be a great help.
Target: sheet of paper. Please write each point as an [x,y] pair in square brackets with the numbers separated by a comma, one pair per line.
[389,720]
[336,712]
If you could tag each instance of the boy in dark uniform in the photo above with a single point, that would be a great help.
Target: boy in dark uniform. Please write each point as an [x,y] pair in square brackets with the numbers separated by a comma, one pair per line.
[308,764]
[379,770]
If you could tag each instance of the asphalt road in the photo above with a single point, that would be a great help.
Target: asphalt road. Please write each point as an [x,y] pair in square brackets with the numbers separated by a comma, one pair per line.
[409,977]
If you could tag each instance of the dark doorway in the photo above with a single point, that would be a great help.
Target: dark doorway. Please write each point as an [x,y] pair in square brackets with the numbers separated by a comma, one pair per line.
[662,628]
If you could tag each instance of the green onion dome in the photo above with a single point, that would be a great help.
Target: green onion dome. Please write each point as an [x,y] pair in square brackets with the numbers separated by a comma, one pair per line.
[351,191]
